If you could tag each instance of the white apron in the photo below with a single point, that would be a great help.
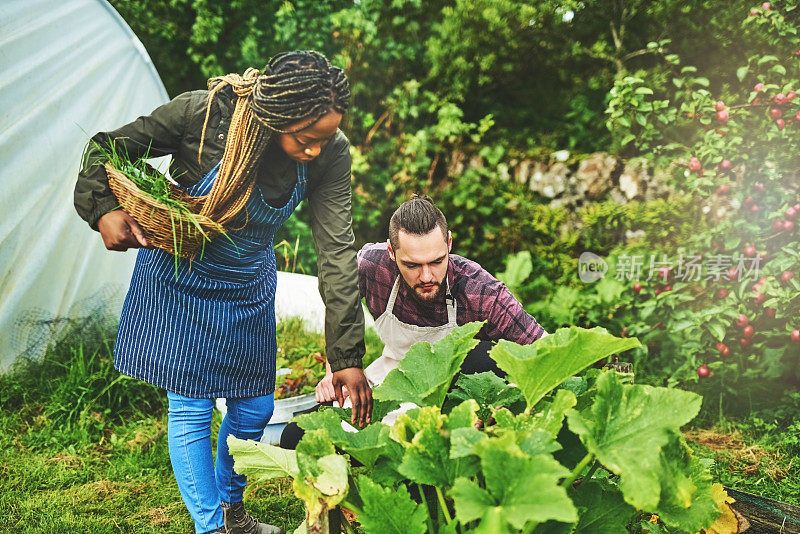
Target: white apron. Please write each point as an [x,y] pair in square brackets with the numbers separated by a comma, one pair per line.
[398,337]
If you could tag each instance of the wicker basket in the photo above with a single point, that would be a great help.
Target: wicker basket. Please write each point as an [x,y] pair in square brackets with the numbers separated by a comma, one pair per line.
[164,227]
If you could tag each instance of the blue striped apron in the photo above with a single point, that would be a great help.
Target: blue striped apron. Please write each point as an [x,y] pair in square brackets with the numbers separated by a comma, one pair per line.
[210,330]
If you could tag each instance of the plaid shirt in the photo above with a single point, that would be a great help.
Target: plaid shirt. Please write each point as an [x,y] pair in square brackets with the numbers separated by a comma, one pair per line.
[479,297]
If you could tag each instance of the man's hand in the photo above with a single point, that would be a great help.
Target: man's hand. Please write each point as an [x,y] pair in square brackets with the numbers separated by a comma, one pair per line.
[360,393]
[324,391]
[120,231]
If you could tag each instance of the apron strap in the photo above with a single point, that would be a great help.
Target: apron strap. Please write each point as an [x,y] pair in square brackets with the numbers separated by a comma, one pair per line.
[451,304]
[393,295]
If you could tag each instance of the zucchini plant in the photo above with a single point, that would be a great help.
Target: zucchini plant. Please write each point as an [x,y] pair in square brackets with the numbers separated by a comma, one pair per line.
[547,450]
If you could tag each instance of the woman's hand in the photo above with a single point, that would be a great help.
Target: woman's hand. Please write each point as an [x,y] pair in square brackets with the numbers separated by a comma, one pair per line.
[120,231]
[360,393]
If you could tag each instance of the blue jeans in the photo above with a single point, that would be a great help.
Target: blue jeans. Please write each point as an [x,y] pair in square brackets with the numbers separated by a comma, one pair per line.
[202,486]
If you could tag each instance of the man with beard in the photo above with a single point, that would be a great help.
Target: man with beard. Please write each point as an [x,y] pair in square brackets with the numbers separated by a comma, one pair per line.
[418,291]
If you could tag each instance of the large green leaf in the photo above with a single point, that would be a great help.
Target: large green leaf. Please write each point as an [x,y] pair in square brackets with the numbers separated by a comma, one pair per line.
[324,491]
[260,461]
[425,374]
[626,429]
[321,483]
[461,422]
[541,366]
[388,510]
[550,415]
[489,390]
[379,410]
[602,508]
[426,459]
[312,447]
[519,488]
[687,500]
[366,445]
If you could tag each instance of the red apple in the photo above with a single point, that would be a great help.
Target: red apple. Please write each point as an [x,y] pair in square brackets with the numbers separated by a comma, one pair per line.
[754,12]
[723,189]
[667,288]
[749,251]
[722,293]
[748,331]
[720,105]
[637,288]
[703,371]
[657,291]
[723,116]
[694,165]
[781,124]
[733,273]
[775,113]
[754,208]
[748,201]
[780,98]
[795,335]
[777,224]
[720,346]
[759,187]
[744,341]
[742,320]
[787,275]
[797,116]
[797,207]
[788,225]
[758,87]
[663,272]
[726,351]
[790,95]
[766,6]
[759,297]
[791,213]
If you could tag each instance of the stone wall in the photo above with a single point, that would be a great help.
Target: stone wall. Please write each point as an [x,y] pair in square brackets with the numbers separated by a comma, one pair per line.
[592,178]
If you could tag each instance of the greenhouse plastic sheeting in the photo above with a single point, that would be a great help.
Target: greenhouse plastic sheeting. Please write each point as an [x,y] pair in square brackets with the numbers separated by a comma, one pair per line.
[69,69]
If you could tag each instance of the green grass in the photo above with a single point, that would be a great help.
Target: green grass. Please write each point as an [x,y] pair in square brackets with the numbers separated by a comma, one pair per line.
[85,451]
[759,455]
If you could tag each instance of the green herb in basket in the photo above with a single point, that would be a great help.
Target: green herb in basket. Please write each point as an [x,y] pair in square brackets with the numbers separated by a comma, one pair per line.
[156,185]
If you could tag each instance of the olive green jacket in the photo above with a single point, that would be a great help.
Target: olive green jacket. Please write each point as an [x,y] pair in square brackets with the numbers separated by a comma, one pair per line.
[175,129]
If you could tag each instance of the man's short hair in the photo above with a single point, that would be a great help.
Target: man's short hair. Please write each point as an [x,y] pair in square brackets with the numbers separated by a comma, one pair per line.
[416,216]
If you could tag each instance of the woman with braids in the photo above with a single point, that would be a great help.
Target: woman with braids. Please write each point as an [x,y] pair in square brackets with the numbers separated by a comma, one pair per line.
[252,147]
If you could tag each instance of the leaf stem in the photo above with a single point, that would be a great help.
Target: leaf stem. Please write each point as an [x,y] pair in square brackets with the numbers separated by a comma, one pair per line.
[567,482]
[594,467]
[427,506]
[443,505]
